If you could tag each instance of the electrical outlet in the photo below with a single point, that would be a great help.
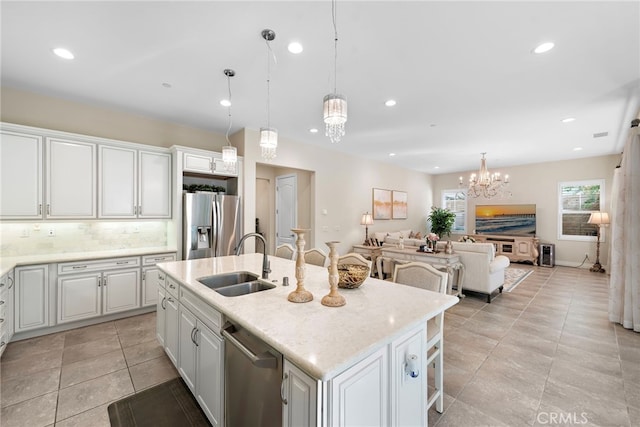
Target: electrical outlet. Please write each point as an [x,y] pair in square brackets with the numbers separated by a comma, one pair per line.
[52,232]
[136,228]
[586,254]
[25,232]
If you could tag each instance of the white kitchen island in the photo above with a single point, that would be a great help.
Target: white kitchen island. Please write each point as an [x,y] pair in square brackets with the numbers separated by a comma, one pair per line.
[352,358]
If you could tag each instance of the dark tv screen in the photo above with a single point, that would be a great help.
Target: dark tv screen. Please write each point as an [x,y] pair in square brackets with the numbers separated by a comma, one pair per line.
[514,220]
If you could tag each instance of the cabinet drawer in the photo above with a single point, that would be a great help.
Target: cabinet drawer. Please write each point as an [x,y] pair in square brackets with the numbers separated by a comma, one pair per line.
[172,287]
[154,259]
[99,265]
[209,315]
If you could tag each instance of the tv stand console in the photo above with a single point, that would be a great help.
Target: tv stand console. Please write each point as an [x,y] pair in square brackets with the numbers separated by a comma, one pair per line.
[516,248]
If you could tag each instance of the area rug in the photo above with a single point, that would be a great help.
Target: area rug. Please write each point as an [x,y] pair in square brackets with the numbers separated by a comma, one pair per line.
[513,277]
[169,404]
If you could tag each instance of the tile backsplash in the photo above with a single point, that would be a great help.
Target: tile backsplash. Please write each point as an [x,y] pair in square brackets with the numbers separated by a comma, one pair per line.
[19,239]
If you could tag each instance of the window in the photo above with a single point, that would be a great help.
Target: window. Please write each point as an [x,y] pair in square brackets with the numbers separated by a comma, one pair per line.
[576,201]
[456,202]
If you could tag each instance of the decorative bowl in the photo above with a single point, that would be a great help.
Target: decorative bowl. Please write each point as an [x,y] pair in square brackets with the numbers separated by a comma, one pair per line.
[352,275]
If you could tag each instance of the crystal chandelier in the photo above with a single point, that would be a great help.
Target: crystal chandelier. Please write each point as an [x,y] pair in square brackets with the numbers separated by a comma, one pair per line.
[486,184]
[229,152]
[334,104]
[268,135]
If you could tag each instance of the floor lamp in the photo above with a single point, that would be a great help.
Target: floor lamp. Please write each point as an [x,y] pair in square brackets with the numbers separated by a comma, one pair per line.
[366,220]
[598,219]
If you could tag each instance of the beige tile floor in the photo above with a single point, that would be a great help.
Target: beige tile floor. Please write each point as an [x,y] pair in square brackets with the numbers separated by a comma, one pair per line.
[544,354]
[69,378]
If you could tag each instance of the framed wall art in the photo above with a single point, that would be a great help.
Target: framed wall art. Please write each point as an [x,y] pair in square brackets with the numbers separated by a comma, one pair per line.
[399,204]
[381,204]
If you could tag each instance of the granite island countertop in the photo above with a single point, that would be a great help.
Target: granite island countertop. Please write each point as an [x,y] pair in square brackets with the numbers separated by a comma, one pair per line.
[323,341]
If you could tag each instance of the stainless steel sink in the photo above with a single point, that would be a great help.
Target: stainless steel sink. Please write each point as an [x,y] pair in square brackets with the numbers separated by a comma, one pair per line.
[235,284]
[244,288]
[227,279]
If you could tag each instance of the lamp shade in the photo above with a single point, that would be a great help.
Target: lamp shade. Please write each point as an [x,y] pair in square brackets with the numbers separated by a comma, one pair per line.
[366,219]
[599,218]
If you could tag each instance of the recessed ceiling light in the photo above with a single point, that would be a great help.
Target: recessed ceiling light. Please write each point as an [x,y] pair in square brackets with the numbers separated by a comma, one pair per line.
[225,103]
[390,103]
[313,130]
[436,167]
[544,47]
[568,120]
[577,149]
[295,47]
[63,53]
[392,154]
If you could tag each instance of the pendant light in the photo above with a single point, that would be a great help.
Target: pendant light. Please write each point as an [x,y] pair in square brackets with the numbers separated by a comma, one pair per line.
[268,135]
[229,152]
[334,104]
[486,184]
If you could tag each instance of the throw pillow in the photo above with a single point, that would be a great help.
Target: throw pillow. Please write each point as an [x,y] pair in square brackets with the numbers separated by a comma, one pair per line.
[405,233]
[380,235]
[417,235]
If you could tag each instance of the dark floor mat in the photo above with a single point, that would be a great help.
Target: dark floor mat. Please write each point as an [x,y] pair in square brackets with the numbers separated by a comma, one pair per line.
[168,404]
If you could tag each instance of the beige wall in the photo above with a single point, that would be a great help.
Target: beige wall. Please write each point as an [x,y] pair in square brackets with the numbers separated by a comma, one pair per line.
[343,188]
[538,184]
[30,109]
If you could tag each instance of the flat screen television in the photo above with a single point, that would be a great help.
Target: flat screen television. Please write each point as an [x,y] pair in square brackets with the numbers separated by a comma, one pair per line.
[513,220]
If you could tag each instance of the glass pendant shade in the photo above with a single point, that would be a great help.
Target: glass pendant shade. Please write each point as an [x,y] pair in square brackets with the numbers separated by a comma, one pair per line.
[268,142]
[229,157]
[335,116]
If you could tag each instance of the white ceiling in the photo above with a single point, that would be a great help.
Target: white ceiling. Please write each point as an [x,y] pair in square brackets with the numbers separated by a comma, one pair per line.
[462,73]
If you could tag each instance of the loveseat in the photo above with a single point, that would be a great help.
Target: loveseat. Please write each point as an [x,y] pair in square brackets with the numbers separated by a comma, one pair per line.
[484,271]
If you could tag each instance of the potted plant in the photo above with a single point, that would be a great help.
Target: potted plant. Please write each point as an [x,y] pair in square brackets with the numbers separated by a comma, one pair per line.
[441,221]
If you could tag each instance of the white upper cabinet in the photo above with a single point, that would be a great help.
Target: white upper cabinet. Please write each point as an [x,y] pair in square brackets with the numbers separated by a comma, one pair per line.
[71,179]
[134,184]
[154,185]
[206,162]
[117,182]
[20,176]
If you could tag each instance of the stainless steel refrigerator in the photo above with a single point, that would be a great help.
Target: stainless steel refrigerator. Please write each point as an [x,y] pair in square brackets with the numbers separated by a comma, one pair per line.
[212,225]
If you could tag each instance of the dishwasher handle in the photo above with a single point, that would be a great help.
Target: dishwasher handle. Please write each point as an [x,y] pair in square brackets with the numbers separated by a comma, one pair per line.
[262,360]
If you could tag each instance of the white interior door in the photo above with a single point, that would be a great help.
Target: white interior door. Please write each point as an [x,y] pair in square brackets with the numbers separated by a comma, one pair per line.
[286,208]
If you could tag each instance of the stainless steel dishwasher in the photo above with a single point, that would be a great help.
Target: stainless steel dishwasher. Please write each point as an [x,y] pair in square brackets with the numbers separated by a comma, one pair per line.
[252,378]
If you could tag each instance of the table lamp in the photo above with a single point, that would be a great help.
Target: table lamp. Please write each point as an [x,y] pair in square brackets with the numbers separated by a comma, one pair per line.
[366,220]
[599,219]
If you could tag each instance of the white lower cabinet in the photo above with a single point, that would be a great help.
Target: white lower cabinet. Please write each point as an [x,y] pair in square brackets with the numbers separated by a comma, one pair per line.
[200,364]
[31,297]
[300,393]
[210,374]
[151,276]
[96,288]
[171,339]
[359,395]
[6,310]
[408,394]
[161,315]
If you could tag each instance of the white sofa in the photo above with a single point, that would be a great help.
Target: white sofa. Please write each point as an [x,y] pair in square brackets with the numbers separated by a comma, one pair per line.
[484,271]
[393,238]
